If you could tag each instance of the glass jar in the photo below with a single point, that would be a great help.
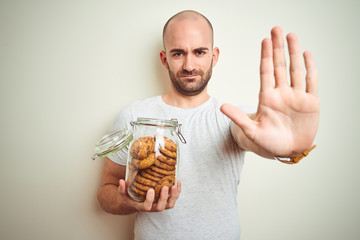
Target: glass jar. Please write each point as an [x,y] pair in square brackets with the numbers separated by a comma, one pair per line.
[153,155]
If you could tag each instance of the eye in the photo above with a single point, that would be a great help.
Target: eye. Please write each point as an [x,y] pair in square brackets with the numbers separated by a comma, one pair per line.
[177,54]
[200,52]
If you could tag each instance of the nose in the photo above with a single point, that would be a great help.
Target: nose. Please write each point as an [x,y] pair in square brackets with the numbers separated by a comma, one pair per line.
[189,63]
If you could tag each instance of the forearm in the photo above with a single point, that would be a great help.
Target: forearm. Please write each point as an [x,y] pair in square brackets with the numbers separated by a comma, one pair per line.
[110,200]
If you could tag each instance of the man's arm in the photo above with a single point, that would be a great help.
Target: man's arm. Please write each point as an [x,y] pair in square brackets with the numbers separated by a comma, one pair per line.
[287,116]
[113,197]
[109,195]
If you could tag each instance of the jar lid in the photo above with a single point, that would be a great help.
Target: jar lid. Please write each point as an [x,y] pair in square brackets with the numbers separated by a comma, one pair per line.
[173,123]
[112,142]
[156,122]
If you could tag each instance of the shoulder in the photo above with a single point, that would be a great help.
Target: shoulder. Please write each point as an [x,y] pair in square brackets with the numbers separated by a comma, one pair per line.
[132,111]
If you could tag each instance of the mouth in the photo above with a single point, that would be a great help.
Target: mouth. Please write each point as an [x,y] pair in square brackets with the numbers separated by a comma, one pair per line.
[189,76]
[189,79]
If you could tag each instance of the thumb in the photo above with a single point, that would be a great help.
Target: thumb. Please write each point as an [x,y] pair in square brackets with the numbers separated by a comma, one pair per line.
[239,117]
[122,186]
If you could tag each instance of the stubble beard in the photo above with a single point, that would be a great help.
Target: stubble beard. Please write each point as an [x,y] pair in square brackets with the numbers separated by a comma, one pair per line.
[189,87]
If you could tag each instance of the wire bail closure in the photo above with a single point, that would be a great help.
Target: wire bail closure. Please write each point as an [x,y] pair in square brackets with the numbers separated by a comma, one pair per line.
[179,134]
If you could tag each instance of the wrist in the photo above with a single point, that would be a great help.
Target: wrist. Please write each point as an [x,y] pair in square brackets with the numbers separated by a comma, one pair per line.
[295,158]
[111,201]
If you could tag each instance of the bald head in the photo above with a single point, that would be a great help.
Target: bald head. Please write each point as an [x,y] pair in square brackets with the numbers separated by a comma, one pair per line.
[187,16]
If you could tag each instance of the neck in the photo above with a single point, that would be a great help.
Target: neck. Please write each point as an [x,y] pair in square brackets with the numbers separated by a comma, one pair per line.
[176,99]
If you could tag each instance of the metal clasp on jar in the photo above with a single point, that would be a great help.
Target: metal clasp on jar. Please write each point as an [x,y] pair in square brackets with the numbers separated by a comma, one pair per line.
[178,133]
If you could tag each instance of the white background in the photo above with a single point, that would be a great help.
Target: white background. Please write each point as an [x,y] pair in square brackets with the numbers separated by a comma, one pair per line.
[67,68]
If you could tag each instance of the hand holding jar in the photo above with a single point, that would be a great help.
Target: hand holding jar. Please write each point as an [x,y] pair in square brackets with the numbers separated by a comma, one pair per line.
[163,202]
[152,162]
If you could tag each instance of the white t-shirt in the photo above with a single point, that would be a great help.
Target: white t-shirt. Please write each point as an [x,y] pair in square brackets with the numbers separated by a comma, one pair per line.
[209,169]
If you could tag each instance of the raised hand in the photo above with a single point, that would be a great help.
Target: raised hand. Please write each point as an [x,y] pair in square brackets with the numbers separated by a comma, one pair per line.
[287,116]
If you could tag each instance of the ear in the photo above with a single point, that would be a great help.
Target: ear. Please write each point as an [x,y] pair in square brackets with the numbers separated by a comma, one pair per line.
[215,56]
[163,59]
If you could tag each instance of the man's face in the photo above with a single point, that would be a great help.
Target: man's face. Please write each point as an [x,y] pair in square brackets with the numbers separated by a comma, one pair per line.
[189,56]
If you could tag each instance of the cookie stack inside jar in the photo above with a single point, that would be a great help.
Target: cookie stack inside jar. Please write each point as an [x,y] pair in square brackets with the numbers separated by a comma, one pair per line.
[152,163]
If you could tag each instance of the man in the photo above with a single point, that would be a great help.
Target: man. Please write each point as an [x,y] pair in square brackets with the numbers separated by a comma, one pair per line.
[217,135]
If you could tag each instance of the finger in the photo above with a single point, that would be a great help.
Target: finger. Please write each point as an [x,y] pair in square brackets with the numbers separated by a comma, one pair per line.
[296,61]
[179,187]
[162,201]
[173,197]
[266,66]
[122,187]
[149,200]
[311,74]
[278,56]
[174,194]
[239,118]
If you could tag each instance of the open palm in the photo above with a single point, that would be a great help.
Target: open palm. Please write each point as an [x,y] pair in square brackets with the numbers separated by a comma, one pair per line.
[287,117]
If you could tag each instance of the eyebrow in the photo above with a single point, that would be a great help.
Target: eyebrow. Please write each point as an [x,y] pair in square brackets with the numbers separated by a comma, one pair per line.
[202,49]
[177,50]
[196,49]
